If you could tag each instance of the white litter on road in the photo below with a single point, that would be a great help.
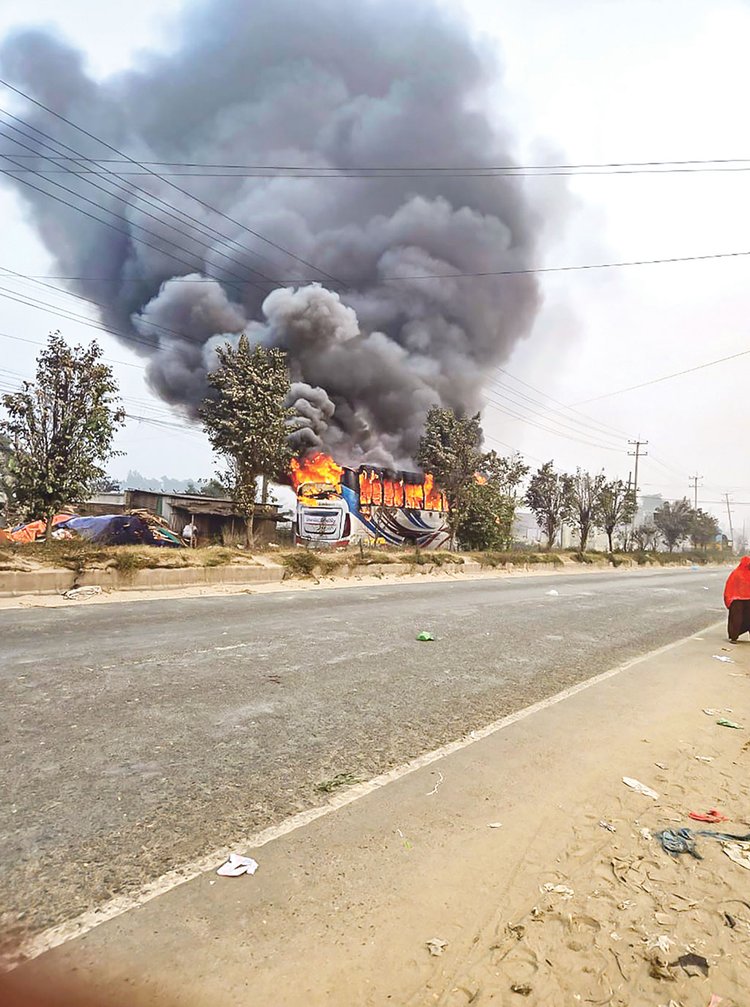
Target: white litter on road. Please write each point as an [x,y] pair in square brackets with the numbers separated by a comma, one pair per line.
[79,593]
[495,825]
[739,853]
[436,946]
[437,784]
[660,942]
[723,658]
[237,865]
[639,787]
[553,593]
[567,893]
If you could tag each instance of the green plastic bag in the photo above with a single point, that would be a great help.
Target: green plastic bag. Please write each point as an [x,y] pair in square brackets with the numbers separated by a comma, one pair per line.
[729,723]
[424,635]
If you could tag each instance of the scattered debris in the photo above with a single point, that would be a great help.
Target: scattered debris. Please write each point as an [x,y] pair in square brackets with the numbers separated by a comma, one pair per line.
[423,636]
[714,1001]
[740,854]
[553,593]
[517,930]
[709,712]
[437,784]
[339,780]
[237,865]
[614,936]
[692,964]
[523,990]
[704,758]
[723,722]
[607,825]
[730,921]
[495,825]
[567,893]
[658,968]
[712,816]
[660,765]
[436,947]
[79,593]
[407,843]
[659,942]
[645,833]
[677,841]
[639,787]
[722,658]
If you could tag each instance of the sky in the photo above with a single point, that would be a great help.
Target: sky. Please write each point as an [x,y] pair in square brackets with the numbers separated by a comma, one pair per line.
[585,82]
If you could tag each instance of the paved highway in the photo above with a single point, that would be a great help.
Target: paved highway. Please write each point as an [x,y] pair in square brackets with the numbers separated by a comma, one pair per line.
[138,736]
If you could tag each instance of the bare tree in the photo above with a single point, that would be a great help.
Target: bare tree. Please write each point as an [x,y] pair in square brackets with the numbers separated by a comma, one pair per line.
[583,491]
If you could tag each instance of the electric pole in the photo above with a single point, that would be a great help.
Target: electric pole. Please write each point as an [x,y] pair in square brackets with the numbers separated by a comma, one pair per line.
[729,515]
[694,487]
[637,454]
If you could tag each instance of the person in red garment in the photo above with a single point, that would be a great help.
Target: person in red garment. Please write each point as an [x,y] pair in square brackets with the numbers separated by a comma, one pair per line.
[737,600]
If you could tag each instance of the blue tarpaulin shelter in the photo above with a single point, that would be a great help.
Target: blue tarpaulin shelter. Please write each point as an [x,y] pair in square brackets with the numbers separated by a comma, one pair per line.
[119,529]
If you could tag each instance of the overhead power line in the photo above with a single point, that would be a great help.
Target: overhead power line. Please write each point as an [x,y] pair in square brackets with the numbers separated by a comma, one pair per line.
[439,276]
[425,170]
[166,181]
[665,377]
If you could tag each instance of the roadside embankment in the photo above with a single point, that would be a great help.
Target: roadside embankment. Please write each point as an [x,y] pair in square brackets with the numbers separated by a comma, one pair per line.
[38,570]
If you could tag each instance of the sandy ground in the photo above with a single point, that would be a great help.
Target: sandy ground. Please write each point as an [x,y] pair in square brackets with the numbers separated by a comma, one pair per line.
[550,908]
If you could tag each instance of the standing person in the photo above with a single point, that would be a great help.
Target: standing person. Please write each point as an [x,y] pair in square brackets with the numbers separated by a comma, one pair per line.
[190,534]
[737,600]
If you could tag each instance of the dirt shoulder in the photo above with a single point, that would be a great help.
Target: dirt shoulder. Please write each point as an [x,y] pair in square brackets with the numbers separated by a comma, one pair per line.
[496,851]
[34,576]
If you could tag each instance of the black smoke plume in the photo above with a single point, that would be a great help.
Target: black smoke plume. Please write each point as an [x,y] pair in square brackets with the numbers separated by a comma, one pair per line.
[285,82]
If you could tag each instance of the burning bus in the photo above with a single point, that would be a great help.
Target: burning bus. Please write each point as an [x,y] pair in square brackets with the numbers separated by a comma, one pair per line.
[337,506]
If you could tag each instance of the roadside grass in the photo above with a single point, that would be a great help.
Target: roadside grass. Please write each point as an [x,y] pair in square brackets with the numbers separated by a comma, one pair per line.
[79,556]
[513,558]
[338,781]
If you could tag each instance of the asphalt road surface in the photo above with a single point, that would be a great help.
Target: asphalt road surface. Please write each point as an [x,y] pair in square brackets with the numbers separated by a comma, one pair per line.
[137,736]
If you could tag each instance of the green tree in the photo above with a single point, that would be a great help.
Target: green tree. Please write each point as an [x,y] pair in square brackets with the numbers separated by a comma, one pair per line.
[616,507]
[213,488]
[491,502]
[450,449]
[61,427]
[245,419]
[704,528]
[7,488]
[583,491]
[548,498]
[672,521]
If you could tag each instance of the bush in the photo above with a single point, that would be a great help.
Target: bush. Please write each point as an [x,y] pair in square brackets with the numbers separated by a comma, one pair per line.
[300,563]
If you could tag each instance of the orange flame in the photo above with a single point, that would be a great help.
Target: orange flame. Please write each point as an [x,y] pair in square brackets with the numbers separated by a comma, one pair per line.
[376,490]
[317,468]
[479,479]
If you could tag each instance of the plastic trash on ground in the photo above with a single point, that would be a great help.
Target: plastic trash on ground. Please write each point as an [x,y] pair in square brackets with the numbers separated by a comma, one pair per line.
[424,635]
[79,593]
[436,946]
[639,787]
[712,816]
[237,865]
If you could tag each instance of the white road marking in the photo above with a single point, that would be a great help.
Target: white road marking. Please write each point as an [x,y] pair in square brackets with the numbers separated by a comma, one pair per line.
[81,925]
